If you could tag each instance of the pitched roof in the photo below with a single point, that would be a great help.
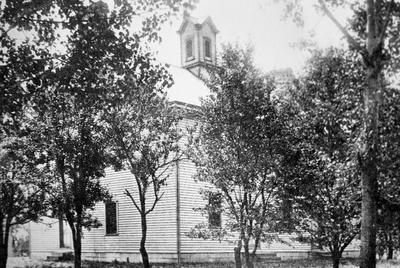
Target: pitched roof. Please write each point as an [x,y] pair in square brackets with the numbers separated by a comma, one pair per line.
[187,87]
[196,21]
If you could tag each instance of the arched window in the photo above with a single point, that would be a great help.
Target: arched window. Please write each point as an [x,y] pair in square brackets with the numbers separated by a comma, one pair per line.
[207,47]
[189,49]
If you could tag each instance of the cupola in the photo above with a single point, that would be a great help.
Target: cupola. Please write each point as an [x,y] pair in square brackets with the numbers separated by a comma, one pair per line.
[198,44]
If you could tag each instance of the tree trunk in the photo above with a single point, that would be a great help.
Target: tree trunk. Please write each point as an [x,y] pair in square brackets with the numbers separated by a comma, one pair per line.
[368,222]
[369,185]
[373,59]
[61,231]
[3,255]
[390,246]
[390,252]
[77,247]
[247,257]
[5,233]
[335,262]
[238,253]
[369,143]
[143,252]
[336,256]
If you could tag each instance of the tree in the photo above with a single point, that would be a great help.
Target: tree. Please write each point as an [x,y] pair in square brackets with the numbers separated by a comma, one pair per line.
[325,187]
[388,237]
[23,170]
[388,167]
[238,151]
[144,135]
[77,151]
[375,38]
[24,178]
[68,110]
[73,52]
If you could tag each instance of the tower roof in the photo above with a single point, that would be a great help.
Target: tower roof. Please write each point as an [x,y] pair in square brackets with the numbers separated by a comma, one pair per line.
[197,23]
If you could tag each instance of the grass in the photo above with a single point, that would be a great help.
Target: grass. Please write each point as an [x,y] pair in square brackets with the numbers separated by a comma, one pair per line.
[300,263]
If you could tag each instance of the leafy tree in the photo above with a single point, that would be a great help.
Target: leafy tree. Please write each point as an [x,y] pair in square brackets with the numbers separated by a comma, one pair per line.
[326,186]
[238,151]
[72,52]
[24,178]
[388,167]
[144,138]
[374,36]
[68,109]
[23,169]
[76,147]
[388,238]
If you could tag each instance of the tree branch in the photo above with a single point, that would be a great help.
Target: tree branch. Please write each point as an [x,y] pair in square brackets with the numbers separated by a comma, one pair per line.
[27,12]
[348,36]
[231,203]
[133,200]
[154,203]
[348,241]
[47,21]
[385,25]
[119,135]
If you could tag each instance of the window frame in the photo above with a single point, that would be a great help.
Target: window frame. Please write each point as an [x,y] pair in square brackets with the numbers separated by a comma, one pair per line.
[187,56]
[205,41]
[116,218]
[214,197]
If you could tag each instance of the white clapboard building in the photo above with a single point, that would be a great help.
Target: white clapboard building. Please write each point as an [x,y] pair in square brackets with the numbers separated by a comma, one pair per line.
[173,217]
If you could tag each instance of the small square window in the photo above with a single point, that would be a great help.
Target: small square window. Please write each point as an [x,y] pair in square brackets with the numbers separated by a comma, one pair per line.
[111,218]
[207,47]
[214,212]
[189,49]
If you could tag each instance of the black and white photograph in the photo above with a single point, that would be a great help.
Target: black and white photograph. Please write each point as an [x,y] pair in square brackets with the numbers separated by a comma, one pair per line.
[199,133]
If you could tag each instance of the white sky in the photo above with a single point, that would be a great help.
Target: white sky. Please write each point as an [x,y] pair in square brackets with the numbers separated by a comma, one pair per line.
[259,23]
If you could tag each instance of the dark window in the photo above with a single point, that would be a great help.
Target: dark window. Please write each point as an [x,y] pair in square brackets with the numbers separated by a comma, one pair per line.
[214,213]
[111,218]
[207,47]
[189,48]
[287,221]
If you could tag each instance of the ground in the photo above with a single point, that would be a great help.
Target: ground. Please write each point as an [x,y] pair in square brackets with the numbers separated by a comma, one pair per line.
[34,263]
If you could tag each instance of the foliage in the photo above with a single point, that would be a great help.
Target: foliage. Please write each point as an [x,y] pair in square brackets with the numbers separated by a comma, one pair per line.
[60,74]
[388,166]
[144,136]
[239,149]
[389,158]
[24,178]
[325,187]
[388,237]
[374,36]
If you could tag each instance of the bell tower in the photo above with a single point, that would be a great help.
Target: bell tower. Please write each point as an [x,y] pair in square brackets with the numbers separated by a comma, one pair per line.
[198,45]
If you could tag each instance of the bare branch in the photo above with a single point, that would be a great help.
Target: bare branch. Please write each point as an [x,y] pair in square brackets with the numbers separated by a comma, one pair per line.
[348,36]
[161,174]
[154,203]
[122,144]
[263,217]
[133,200]
[348,241]
[173,160]
[231,203]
